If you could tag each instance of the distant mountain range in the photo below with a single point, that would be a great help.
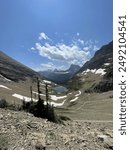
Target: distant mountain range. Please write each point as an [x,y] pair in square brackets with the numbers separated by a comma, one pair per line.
[14,70]
[101,62]
[60,76]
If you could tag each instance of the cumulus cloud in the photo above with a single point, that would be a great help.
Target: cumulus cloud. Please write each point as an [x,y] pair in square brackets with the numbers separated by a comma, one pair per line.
[43,36]
[32,48]
[48,65]
[81,41]
[77,33]
[63,52]
[78,51]
[95,48]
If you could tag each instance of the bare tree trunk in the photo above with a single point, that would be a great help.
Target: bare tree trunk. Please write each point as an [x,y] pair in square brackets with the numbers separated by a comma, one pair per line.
[31,93]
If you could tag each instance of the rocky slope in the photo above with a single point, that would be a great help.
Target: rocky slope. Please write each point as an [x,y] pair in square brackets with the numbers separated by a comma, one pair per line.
[22,131]
[13,70]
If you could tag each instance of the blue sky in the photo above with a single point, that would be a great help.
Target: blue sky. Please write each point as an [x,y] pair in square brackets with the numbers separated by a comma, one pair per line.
[48,34]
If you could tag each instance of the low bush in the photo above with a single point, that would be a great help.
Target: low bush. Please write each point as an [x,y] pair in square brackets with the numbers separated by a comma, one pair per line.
[3,103]
[39,109]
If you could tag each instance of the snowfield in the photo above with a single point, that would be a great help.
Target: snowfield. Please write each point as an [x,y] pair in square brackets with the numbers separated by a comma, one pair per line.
[5,87]
[37,93]
[78,94]
[28,99]
[55,98]
[47,82]
[73,100]
[98,71]
[5,78]
[76,97]
[101,71]
[106,64]
[57,104]
[25,98]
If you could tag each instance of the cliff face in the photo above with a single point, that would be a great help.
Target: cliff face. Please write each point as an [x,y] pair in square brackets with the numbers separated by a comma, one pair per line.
[102,56]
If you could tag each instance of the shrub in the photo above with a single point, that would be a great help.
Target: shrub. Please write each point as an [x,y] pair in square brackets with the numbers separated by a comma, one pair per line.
[3,103]
[38,109]
[64,118]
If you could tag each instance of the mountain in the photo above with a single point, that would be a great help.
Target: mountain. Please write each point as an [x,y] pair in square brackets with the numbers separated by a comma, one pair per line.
[59,76]
[96,75]
[14,70]
[102,56]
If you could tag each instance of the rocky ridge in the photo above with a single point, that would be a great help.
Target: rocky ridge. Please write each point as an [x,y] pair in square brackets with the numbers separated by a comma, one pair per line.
[14,70]
[23,131]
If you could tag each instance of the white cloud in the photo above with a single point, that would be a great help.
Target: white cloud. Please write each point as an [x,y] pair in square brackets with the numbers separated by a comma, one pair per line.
[64,53]
[43,36]
[95,48]
[77,34]
[49,65]
[81,41]
[32,48]
[86,48]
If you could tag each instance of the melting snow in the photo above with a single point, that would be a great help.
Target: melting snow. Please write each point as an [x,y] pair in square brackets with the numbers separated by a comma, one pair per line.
[5,87]
[4,78]
[78,94]
[101,71]
[55,98]
[47,82]
[98,71]
[106,64]
[37,93]
[25,98]
[43,84]
[28,99]
[73,100]
[57,104]
[86,71]
[69,93]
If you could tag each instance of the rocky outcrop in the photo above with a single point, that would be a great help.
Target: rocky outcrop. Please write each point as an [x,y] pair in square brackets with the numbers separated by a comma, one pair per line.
[23,131]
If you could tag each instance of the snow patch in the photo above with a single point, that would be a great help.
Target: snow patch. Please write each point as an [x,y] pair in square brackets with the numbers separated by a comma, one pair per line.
[100,71]
[42,84]
[73,100]
[57,104]
[85,72]
[47,82]
[37,93]
[106,64]
[4,78]
[69,93]
[5,87]
[55,98]
[28,99]
[93,70]
[78,94]
[25,98]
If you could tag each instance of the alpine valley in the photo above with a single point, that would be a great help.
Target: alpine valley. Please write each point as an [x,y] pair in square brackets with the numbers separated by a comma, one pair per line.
[86,105]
